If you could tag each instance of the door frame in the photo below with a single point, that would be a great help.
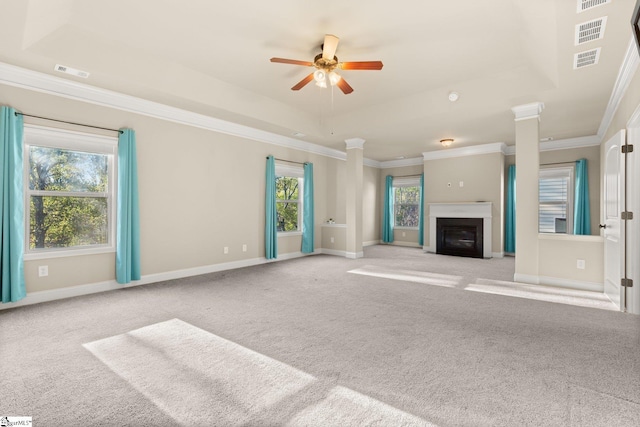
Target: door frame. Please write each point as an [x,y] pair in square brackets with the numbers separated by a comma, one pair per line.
[633,205]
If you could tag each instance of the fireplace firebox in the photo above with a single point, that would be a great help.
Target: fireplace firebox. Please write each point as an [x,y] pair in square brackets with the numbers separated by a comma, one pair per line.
[460,237]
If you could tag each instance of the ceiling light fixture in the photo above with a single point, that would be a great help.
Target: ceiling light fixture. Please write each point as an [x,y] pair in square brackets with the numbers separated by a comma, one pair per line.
[446,142]
[453,96]
[72,71]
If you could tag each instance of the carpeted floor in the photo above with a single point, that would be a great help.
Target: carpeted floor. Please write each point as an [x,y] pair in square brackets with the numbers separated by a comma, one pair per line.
[396,338]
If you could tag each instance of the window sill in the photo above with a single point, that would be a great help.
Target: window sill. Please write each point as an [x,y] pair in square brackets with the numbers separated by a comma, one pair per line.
[289,233]
[406,228]
[64,253]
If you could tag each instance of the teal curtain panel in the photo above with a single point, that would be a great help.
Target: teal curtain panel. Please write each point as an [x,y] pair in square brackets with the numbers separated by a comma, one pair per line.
[510,217]
[308,218]
[271,216]
[12,212]
[581,211]
[128,211]
[387,214]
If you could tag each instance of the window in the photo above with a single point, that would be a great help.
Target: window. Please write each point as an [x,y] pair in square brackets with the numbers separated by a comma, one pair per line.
[289,198]
[406,202]
[69,191]
[556,200]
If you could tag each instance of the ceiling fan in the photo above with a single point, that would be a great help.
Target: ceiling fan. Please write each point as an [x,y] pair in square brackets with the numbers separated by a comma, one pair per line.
[326,63]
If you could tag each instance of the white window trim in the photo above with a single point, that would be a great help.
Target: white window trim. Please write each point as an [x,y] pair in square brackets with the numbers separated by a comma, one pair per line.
[560,171]
[290,171]
[77,141]
[401,182]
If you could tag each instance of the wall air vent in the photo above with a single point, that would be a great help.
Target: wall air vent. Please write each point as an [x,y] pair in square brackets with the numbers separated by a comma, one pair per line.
[586,58]
[72,71]
[590,4]
[589,31]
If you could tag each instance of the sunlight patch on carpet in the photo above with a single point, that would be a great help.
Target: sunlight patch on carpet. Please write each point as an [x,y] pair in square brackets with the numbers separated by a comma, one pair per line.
[345,407]
[422,277]
[543,293]
[198,378]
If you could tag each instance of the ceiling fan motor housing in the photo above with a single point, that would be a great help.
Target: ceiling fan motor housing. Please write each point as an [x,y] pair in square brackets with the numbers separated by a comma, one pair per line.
[325,64]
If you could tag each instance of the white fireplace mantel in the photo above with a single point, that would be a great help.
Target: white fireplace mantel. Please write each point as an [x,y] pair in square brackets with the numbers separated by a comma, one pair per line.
[462,210]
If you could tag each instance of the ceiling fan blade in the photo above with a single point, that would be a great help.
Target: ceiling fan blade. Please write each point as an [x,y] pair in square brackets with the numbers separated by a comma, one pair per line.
[302,83]
[292,61]
[344,86]
[361,65]
[329,47]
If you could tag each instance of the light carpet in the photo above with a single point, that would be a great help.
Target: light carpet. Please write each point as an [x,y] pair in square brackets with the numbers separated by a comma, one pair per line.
[306,342]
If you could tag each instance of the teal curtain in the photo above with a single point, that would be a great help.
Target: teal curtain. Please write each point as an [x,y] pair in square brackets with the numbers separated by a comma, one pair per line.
[510,224]
[308,220]
[387,215]
[581,211]
[128,212]
[421,220]
[271,216]
[12,211]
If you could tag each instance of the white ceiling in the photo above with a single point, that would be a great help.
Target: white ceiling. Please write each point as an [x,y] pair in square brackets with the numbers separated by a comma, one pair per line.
[213,58]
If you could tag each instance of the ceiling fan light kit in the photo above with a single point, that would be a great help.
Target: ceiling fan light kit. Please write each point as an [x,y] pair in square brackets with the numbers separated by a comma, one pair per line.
[326,63]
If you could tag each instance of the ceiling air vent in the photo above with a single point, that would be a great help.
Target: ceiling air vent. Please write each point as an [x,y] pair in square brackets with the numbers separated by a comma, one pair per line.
[586,58]
[590,4]
[589,31]
[72,71]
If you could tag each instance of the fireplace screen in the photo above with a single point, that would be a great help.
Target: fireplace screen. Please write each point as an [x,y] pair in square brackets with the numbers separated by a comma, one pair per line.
[459,236]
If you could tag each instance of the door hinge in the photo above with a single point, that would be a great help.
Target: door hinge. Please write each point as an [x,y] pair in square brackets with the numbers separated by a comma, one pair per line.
[625,216]
[626,283]
[627,148]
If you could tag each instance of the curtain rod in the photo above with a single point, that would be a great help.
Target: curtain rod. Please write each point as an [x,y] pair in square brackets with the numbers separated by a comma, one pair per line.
[289,161]
[557,163]
[70,123]
[406,176]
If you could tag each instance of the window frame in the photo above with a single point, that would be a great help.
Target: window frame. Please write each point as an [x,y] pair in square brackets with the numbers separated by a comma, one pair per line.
[290,171]
[42,136]
[559,171]
[403,182]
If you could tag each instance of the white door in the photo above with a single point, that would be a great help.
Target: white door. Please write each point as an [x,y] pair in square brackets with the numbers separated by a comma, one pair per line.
[613,206]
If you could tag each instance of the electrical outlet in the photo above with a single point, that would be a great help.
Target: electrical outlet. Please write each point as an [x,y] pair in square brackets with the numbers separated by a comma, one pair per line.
[43,270]
[226,249]
[332,241]
[244,248]
[461,184]
[581,264]
[404,234]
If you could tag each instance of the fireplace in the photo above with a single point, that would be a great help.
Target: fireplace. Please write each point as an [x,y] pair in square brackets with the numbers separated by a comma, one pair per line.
[459,236]
[464,233]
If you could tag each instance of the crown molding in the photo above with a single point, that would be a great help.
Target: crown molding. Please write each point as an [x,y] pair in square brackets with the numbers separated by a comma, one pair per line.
[528,111]
[561,144]
[625,75]
[12,75]
[474,150]
[415,161]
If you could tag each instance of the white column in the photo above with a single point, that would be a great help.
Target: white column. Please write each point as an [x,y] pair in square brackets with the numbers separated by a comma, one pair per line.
[527,123]
[354,197]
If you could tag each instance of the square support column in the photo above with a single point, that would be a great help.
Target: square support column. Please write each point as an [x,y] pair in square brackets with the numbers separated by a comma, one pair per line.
[355,180]
[527,123]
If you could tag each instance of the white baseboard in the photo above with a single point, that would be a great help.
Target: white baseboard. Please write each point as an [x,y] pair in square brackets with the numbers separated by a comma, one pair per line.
[371,243]
[354,255]
[407,244]
[334,252]
[110,285]
[498,254]
[559,283]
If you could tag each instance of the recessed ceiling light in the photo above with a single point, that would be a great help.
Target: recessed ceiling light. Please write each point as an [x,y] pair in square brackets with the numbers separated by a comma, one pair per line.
[453,96]
[72,71]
